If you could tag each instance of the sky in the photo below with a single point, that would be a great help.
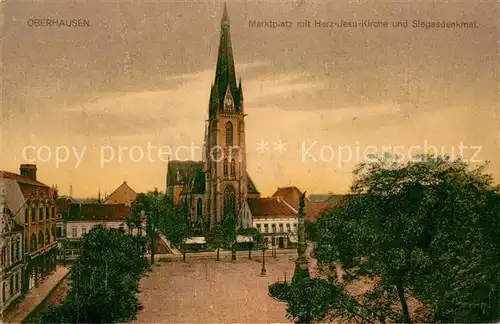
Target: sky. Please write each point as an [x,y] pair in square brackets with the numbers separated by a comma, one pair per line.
[140,74]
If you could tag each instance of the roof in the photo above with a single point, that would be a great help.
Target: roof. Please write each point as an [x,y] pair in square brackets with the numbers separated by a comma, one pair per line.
[291,195]
[14,199]
[190,174]
[325,197]
[314,210]
[123,186]
[101,212]
[269,207]
[21,179]
[182,172]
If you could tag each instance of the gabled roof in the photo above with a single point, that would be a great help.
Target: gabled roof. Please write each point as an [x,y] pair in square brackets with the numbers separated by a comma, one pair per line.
[269,207]
[314,210]
[289,194]
[99,212]
[251,188]
[182,172]
[21,179]
[123,186]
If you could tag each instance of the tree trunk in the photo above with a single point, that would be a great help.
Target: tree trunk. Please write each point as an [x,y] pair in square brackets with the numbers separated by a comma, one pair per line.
[153,249]
[402,299]
[184,255]
[218,258]
[249,254]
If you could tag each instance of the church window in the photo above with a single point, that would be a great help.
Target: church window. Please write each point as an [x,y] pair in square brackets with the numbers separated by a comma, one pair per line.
[229,134]
[199,208]
[233,168]
[229,201]
[225,168]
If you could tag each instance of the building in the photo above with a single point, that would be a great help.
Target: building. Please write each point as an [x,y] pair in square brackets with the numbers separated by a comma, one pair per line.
[39,226]
[78,219]
[122,195]
[12,211]
[312,209]
[218,186]
[276,220]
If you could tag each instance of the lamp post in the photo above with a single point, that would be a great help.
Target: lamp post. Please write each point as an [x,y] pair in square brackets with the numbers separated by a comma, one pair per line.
[263,271]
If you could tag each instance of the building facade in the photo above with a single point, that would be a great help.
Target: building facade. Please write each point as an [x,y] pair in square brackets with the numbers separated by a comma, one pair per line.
[218,186]
[40,246]
[79,219]
[12,209]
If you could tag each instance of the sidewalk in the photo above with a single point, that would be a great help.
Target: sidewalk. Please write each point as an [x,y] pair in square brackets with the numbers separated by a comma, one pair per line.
[35,296]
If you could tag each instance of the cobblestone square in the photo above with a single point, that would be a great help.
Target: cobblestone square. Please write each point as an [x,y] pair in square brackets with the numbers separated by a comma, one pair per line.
[210,291]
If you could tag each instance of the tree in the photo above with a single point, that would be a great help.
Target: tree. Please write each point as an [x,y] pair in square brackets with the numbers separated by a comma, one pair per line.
[256,239]
[152,206]
[229,234]
[426,230]
[216,239]
[104,280]
[175,226]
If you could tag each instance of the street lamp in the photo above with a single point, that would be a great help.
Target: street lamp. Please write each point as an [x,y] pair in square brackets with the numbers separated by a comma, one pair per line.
[263,271]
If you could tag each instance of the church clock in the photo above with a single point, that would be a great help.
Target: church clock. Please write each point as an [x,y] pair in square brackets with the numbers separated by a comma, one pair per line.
[228,102]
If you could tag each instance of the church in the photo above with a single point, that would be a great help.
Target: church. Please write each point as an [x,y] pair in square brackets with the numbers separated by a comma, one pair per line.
[219,186]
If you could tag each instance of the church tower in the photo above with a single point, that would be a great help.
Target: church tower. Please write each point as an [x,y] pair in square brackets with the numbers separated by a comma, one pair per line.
[225,155]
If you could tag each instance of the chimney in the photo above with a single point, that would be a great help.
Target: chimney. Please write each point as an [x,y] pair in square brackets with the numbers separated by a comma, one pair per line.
[28,171]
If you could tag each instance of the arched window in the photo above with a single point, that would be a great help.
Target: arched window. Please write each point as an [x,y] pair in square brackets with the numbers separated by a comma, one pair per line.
[33,243]
[233,168]
[40,239]
[199,208]
[47,237]
[229,202]
[226,166]
[229,134]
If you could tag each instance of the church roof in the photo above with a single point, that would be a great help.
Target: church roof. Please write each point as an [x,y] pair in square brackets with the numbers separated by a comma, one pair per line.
[251,188]
[269,207]
[182,172]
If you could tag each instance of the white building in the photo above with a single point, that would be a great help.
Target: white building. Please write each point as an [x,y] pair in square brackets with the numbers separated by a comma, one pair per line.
[79,219]
[12,211]
[276,220]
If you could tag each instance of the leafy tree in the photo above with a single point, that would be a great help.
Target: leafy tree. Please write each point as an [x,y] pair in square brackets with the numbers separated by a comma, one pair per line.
[104,280]
[216,239]
[229,234]
[153,206]
[426,230]
[175,226]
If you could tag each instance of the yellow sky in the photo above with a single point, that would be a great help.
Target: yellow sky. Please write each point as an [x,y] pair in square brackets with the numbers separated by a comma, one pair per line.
[142,74]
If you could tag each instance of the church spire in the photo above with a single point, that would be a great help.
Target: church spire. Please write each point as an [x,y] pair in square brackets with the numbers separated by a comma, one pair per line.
[225,75]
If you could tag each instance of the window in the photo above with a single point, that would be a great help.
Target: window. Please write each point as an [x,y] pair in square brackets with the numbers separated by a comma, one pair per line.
[229,201]
[274,227]
[288,227]
[40,214]
[258,227]
[18,249]
[281,228]
[12,253]
[47,212]
[229,134]
[73,232]
[53,212]
[4,256]
[233,168]
[11,286]
[47,237]
[225,168]
[26,215]
[84,231]
[59,232]
[33,214]
[199,208]
[266,228]
[17,282]
[33,243]
[40,239]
